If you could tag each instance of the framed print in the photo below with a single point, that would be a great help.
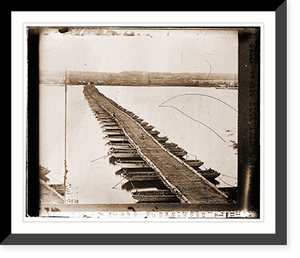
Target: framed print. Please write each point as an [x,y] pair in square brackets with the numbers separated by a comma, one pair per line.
[148,127]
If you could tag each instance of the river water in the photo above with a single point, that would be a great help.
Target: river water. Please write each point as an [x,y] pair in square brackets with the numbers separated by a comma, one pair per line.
[203,121]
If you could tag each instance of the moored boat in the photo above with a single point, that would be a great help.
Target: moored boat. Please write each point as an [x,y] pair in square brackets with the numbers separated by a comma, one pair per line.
[140,176]
[112,127]
[208,173]
[154,196]
[43,172]
[132,164]
[139,120]
[179,153]
[118,143]
[169,144]
[131,114]
[103,116]
[144,174]
[143,123]
[104,121]
[108,123]
[155,132]
[114,130]
[115,138]
[129,156]
[194,163]
[114,133]
[100,113]
[148,127]
[122,149]
[161,139]
[134,169]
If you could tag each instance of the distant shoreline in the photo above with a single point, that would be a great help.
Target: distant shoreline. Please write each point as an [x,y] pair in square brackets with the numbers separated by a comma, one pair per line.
[139,78]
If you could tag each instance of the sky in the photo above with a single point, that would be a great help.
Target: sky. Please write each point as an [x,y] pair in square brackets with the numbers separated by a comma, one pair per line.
[131,49]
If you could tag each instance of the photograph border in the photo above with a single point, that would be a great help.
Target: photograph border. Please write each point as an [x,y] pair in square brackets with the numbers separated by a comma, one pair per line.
[250,45]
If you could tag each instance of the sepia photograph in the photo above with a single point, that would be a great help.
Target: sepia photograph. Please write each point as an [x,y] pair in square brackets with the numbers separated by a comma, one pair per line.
[150,121]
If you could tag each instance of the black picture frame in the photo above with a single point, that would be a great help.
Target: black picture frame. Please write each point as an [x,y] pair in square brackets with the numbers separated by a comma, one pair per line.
[281,236]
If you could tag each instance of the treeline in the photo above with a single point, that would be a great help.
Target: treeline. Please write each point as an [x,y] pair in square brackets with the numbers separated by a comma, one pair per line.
[138,78]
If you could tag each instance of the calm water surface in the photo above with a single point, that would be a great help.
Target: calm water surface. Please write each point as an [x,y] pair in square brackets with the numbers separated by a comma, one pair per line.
[185,118]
